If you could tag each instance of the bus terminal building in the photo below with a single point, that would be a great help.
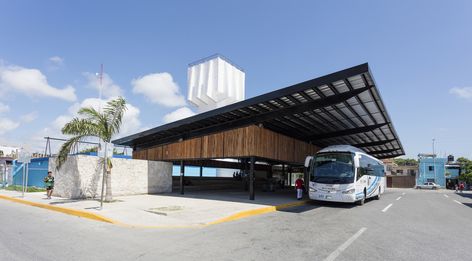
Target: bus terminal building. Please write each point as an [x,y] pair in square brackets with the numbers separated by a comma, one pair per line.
[279,128]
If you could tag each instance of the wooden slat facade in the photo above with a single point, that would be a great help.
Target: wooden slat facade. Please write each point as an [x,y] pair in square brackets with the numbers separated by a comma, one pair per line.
[237,143]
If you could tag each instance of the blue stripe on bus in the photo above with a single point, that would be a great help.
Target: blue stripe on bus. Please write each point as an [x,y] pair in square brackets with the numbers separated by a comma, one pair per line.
[371,188]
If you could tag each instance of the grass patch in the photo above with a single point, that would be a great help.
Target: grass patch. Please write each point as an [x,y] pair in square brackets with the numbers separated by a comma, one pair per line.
[29,189]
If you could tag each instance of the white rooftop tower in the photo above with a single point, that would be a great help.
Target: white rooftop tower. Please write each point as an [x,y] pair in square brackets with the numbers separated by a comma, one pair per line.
[214,82]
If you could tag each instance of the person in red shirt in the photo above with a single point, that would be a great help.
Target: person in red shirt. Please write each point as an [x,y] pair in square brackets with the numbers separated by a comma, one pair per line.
[461,187]
[299,187]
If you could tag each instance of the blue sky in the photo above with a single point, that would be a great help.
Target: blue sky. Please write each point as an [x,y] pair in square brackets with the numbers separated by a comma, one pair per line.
[420,53]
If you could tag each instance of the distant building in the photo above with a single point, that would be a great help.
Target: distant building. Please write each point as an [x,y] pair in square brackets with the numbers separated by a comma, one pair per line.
[7,151]
[441,171]
[453,170]
[6,170]
[393,169]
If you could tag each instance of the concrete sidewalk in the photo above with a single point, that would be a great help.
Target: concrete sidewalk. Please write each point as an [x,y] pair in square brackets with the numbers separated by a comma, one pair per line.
[172,210]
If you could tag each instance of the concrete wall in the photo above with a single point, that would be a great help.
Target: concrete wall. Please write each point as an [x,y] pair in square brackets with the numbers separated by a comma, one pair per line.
[400,181]
[81,177]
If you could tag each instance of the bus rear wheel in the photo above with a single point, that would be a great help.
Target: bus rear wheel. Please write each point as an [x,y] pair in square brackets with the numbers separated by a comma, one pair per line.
[378,195]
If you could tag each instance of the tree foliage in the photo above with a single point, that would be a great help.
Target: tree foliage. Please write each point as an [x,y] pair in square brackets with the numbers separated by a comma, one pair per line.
[405,162]
[466,169]
[92,123]
[467,177]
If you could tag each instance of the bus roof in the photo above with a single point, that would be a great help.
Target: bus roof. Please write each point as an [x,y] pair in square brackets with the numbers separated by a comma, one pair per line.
[344,148]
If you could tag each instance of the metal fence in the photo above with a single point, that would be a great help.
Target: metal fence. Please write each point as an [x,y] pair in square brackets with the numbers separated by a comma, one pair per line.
[36,171]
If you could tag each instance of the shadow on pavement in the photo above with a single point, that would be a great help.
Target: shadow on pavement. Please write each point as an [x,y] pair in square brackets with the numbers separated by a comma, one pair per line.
[468,204]
[239,196]
[65,201]
[465,195]
[299,209]
[335,204]
[318,204]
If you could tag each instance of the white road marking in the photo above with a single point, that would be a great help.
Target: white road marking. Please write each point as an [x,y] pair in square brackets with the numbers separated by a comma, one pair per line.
[386,208]
[399,198]
[458,202]
[403,193]
[345,245]
[446,195]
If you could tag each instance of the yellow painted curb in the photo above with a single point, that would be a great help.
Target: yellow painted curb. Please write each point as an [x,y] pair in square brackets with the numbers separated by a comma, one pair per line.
[236,216]
[258,211]
[69,211]
[96,217]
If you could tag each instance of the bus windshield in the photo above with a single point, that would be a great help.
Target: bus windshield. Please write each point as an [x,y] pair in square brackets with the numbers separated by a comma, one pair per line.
[333,168]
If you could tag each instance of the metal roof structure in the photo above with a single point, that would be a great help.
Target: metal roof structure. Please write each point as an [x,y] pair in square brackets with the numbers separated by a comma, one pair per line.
[344,107]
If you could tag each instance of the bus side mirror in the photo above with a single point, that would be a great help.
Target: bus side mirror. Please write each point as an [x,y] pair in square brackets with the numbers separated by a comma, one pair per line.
[308,161]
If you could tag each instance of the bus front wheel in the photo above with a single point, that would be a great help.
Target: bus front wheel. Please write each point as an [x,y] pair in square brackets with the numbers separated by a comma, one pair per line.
[362,201]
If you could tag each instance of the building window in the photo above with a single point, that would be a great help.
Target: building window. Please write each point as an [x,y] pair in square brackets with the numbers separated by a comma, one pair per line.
[399,171]
[431,168]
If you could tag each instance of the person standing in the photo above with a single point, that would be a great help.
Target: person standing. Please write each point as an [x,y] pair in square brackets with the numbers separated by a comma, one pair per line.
[299,187]
[49,183]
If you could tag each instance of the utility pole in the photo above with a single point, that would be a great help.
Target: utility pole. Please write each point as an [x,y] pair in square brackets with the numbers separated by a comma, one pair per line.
[434,162]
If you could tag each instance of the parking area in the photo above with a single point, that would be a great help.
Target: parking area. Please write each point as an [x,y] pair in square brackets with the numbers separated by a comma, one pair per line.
[193,209]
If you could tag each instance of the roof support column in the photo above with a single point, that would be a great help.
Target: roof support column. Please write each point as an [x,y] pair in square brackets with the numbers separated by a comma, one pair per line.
[283,176]
[251,179]
[182,174]
[289,176]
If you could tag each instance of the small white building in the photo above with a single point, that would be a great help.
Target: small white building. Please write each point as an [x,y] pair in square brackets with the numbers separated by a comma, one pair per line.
[7,151]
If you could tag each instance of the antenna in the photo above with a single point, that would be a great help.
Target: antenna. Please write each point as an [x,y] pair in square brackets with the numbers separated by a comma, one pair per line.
[100,78]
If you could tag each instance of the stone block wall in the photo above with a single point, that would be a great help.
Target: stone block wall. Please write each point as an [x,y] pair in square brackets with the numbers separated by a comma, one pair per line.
[81,177]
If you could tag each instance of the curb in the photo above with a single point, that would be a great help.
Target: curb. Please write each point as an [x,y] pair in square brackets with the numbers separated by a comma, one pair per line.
[96,217]
[68,211]
[257,211]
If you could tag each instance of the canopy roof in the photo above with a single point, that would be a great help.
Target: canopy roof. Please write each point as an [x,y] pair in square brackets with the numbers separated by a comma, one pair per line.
[340,108]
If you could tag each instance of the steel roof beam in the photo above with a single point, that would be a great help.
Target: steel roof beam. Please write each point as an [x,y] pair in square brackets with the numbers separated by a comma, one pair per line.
[345,132]
[261,117]
[371,144]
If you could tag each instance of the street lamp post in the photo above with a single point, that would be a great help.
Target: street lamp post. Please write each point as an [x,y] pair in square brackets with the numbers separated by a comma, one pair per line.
[434,163]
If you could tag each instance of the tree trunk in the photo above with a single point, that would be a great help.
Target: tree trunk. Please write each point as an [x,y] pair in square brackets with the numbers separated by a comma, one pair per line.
[108,195]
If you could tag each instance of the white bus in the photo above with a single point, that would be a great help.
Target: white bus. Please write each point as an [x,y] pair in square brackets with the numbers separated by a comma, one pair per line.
[343,173]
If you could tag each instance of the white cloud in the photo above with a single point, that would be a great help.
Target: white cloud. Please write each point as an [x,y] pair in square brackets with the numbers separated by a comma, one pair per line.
[56,60]
[4,108]
[109,88]
[178,114]
[32,82]
[55,63]
[60,121]
[159,88]
[29,117]
[7,125]
[465,92]
[130,121]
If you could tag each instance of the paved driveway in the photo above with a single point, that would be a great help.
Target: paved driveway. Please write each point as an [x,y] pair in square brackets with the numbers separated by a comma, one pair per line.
[403,225]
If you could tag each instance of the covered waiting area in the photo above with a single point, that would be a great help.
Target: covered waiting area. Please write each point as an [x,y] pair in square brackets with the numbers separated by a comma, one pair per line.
[277,128]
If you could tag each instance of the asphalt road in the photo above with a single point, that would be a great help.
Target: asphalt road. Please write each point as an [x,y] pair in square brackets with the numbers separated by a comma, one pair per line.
[419,225]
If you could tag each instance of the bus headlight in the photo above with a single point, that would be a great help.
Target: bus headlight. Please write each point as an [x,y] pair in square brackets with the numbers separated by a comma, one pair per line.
[312,190]
[349,191]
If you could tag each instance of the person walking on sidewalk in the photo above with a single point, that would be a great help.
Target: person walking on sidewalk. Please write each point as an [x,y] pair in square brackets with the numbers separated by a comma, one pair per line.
[299,187]
[461,187]
[49,183]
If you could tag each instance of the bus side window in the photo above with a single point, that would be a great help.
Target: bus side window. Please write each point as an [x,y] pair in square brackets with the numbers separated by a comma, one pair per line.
[360,172]
[362,169]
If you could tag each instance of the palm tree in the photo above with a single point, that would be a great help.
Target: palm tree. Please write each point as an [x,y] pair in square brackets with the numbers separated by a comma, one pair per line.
[93,123]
